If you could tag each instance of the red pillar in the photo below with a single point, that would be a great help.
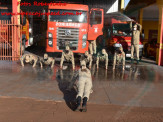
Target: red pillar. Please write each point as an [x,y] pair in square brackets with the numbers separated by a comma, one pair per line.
[15,31]
[14,6]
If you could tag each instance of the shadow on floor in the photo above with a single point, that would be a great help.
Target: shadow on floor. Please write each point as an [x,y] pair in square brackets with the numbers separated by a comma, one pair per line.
[66,81]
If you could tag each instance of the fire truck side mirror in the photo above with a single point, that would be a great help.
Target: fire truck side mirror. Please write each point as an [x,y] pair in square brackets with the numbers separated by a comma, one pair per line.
[43,16]
[109,32]
[142,36]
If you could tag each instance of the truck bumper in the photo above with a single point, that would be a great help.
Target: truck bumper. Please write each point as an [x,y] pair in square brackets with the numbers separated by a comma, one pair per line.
[128,53]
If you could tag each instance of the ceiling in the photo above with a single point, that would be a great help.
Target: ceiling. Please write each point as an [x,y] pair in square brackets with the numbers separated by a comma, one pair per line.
[135,5]
[151,12]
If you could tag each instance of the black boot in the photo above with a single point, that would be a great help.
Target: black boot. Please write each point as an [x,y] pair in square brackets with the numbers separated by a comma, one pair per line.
[78,103]
[132,61]
[84,105]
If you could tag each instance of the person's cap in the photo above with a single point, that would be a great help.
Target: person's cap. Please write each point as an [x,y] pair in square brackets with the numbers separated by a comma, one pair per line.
[45,55]
[27,58]
[86,52]
[120,48]
[103,51]
[67,48]
[135,26]
[82,63]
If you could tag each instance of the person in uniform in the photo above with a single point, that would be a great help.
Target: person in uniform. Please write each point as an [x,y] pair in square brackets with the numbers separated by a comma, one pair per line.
[92,47]
[29,58]
[47,61]
[119,56]
[102,57]
[88,59]
[68,56]
[136,30]
[84,86]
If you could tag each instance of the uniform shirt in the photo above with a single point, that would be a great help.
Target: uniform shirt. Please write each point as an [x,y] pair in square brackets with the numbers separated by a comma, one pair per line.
[49,61]
[32,59]
[67,57]
[84,75]
[101,57]
[135,34]
[88,59]
[119,58]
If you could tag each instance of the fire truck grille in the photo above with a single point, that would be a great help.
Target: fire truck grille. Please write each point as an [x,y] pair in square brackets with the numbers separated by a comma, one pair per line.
[67,36]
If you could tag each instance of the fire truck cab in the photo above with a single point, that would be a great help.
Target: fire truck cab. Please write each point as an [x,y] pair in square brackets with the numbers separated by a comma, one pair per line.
[73,25]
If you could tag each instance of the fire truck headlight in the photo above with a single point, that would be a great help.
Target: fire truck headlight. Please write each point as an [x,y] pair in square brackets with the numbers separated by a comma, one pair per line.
[117,45]
[84,41]
[84,44]
[50,39]
[141,46]
[85,37]
[50,35]
[30,30]
[50,42]
[31,40]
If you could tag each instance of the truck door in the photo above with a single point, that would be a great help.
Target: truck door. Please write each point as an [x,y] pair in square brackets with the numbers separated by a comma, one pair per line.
[96,22]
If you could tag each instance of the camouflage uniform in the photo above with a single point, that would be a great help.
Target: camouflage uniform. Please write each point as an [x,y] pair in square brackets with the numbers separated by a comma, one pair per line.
[92,47]
[119,56]
[47,61]
[84,86]
[102,56]
[84,83]
[69,57]
[29,58]
[135,39]
[88,58]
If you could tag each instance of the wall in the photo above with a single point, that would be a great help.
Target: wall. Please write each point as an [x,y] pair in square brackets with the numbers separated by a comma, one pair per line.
[149,25]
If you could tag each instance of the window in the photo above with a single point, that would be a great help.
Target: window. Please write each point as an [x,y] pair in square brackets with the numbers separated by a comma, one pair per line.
[96,17]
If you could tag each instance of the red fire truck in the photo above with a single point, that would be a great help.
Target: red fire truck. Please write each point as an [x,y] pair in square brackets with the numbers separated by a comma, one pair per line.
[73,24]
[27,30]
[117,32]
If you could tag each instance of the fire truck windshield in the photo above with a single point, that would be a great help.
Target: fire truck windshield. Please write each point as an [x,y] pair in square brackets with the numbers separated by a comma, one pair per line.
[121,30]
[60,15]
[4,14]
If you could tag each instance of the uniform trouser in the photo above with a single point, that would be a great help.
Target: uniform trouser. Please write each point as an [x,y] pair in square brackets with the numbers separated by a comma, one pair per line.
[84,87]
[92,47]
[136,47]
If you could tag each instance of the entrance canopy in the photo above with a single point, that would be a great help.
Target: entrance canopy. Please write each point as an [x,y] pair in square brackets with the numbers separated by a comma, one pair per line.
[135,5]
